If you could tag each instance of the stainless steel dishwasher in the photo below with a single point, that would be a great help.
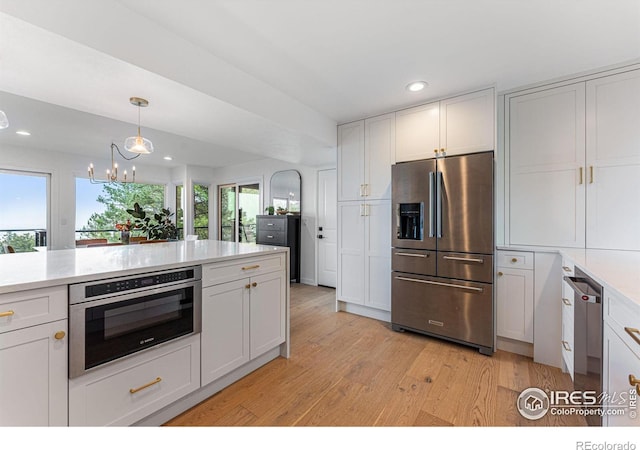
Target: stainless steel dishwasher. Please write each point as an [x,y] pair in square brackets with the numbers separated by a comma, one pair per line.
[587,328]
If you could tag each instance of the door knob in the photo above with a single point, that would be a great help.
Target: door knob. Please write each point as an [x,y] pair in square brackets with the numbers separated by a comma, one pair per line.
[59,335]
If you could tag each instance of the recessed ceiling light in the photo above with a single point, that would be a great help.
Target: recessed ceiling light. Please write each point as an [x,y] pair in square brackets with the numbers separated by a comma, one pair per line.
[416,86]
[23,133]
[168,158]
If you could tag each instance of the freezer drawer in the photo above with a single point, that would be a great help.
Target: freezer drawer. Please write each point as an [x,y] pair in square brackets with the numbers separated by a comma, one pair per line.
[465,266]
[422,262]
[457,310]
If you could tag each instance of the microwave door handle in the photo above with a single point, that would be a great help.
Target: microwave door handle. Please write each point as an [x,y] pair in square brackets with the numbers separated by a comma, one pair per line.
[438,194]
[432,187]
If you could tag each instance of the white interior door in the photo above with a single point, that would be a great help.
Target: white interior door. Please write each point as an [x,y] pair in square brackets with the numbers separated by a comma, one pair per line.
[327,228]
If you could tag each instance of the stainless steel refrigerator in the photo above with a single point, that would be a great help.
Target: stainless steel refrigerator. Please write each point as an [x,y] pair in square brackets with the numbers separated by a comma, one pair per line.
[443,247]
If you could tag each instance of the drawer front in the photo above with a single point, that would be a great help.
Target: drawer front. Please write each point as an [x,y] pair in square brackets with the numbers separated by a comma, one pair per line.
[422,262]
[271,237]
[624,317]
[521,260]
[35,307]
[270,224]
[465,266]
[132,391]
[223,272]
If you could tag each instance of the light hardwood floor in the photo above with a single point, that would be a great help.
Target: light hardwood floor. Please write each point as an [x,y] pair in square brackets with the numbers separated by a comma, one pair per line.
[347,370]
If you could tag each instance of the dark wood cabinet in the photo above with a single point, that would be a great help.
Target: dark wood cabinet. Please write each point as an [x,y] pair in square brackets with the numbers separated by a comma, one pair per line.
[283,231]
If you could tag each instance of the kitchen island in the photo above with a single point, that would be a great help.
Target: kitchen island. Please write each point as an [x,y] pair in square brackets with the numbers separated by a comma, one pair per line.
[245,323]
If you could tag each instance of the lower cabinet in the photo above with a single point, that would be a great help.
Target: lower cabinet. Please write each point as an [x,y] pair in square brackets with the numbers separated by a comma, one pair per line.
[241,320]
[514,295]
[33,376]
[129,390]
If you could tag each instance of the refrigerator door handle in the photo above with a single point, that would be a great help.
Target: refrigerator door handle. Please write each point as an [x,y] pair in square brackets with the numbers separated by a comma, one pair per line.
[437,283]
[432,187]
[438,195]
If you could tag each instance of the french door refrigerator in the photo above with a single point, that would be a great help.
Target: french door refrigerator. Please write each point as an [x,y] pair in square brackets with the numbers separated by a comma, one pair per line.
[443,247]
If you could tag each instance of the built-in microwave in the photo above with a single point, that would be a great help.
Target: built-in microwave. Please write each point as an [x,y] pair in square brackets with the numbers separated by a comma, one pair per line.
[118,317]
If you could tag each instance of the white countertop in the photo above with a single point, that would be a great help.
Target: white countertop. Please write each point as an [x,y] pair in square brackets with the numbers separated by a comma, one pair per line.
[616,269]
[21,271]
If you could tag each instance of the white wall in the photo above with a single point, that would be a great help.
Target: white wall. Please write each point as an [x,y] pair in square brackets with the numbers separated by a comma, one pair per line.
[262,171]
[64,168]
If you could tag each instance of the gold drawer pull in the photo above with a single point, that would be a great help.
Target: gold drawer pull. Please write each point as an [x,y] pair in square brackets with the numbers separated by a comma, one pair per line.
[7,313]
[633,381]
[565,344]
[514,260]
[566,269]
[156,381]
[254,284]
[251,267]
[60,335]
[247,286]
[566,301]
[500,274]
[633,332]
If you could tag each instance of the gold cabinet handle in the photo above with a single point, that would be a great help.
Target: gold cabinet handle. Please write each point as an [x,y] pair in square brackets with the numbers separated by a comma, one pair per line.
[633,332]
[441,150]
[566,301]
[251,267]
[565,344]
[7,313]
[566,269]
[500,274]
[435,150]
[247,286]
[633,381]
[514,260]
[254,284]
[590,174]
[138,389]
[580,175]
[60,335]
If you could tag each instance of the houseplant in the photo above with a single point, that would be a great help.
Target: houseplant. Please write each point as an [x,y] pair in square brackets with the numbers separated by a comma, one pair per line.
[270,210]
[156,225]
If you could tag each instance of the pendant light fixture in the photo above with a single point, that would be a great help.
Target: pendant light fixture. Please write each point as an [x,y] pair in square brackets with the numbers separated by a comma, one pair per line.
[138,144]
[112,175]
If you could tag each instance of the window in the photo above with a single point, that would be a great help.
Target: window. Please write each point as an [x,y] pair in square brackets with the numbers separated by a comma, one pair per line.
[25,210]
[239,204]
[100,206]
[201,210]
[180,211]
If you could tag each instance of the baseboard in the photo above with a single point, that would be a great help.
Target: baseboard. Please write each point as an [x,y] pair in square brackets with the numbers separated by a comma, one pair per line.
[513,346]
[309,281]
[365,311]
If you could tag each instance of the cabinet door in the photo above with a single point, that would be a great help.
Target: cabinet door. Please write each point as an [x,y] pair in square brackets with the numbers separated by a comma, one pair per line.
[379,141]
[351,252]
[417,132]
[378,254]
[267,312]
[619,362]
[33,376]
[225,328]
[351,161]
[545,135]
[467,123]
[613,161]
[515,304]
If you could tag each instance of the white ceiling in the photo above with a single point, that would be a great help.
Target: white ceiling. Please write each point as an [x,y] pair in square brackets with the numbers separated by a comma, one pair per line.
[234,80]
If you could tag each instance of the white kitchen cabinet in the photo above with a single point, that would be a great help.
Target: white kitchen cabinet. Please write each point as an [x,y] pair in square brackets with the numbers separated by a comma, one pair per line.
[33,378]
[514,296]
[129,390]
[33,358]
[364,256]
[244,318]
[453,126]
[612,168]
[573,164]
[545,134]
[365,154]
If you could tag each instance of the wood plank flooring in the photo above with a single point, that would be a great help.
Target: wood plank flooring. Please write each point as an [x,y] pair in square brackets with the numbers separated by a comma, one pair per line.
[347,370]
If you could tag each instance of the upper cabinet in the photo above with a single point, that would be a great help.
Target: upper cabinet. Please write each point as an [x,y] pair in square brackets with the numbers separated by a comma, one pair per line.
[457,125]
[573,164]
[365,156]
